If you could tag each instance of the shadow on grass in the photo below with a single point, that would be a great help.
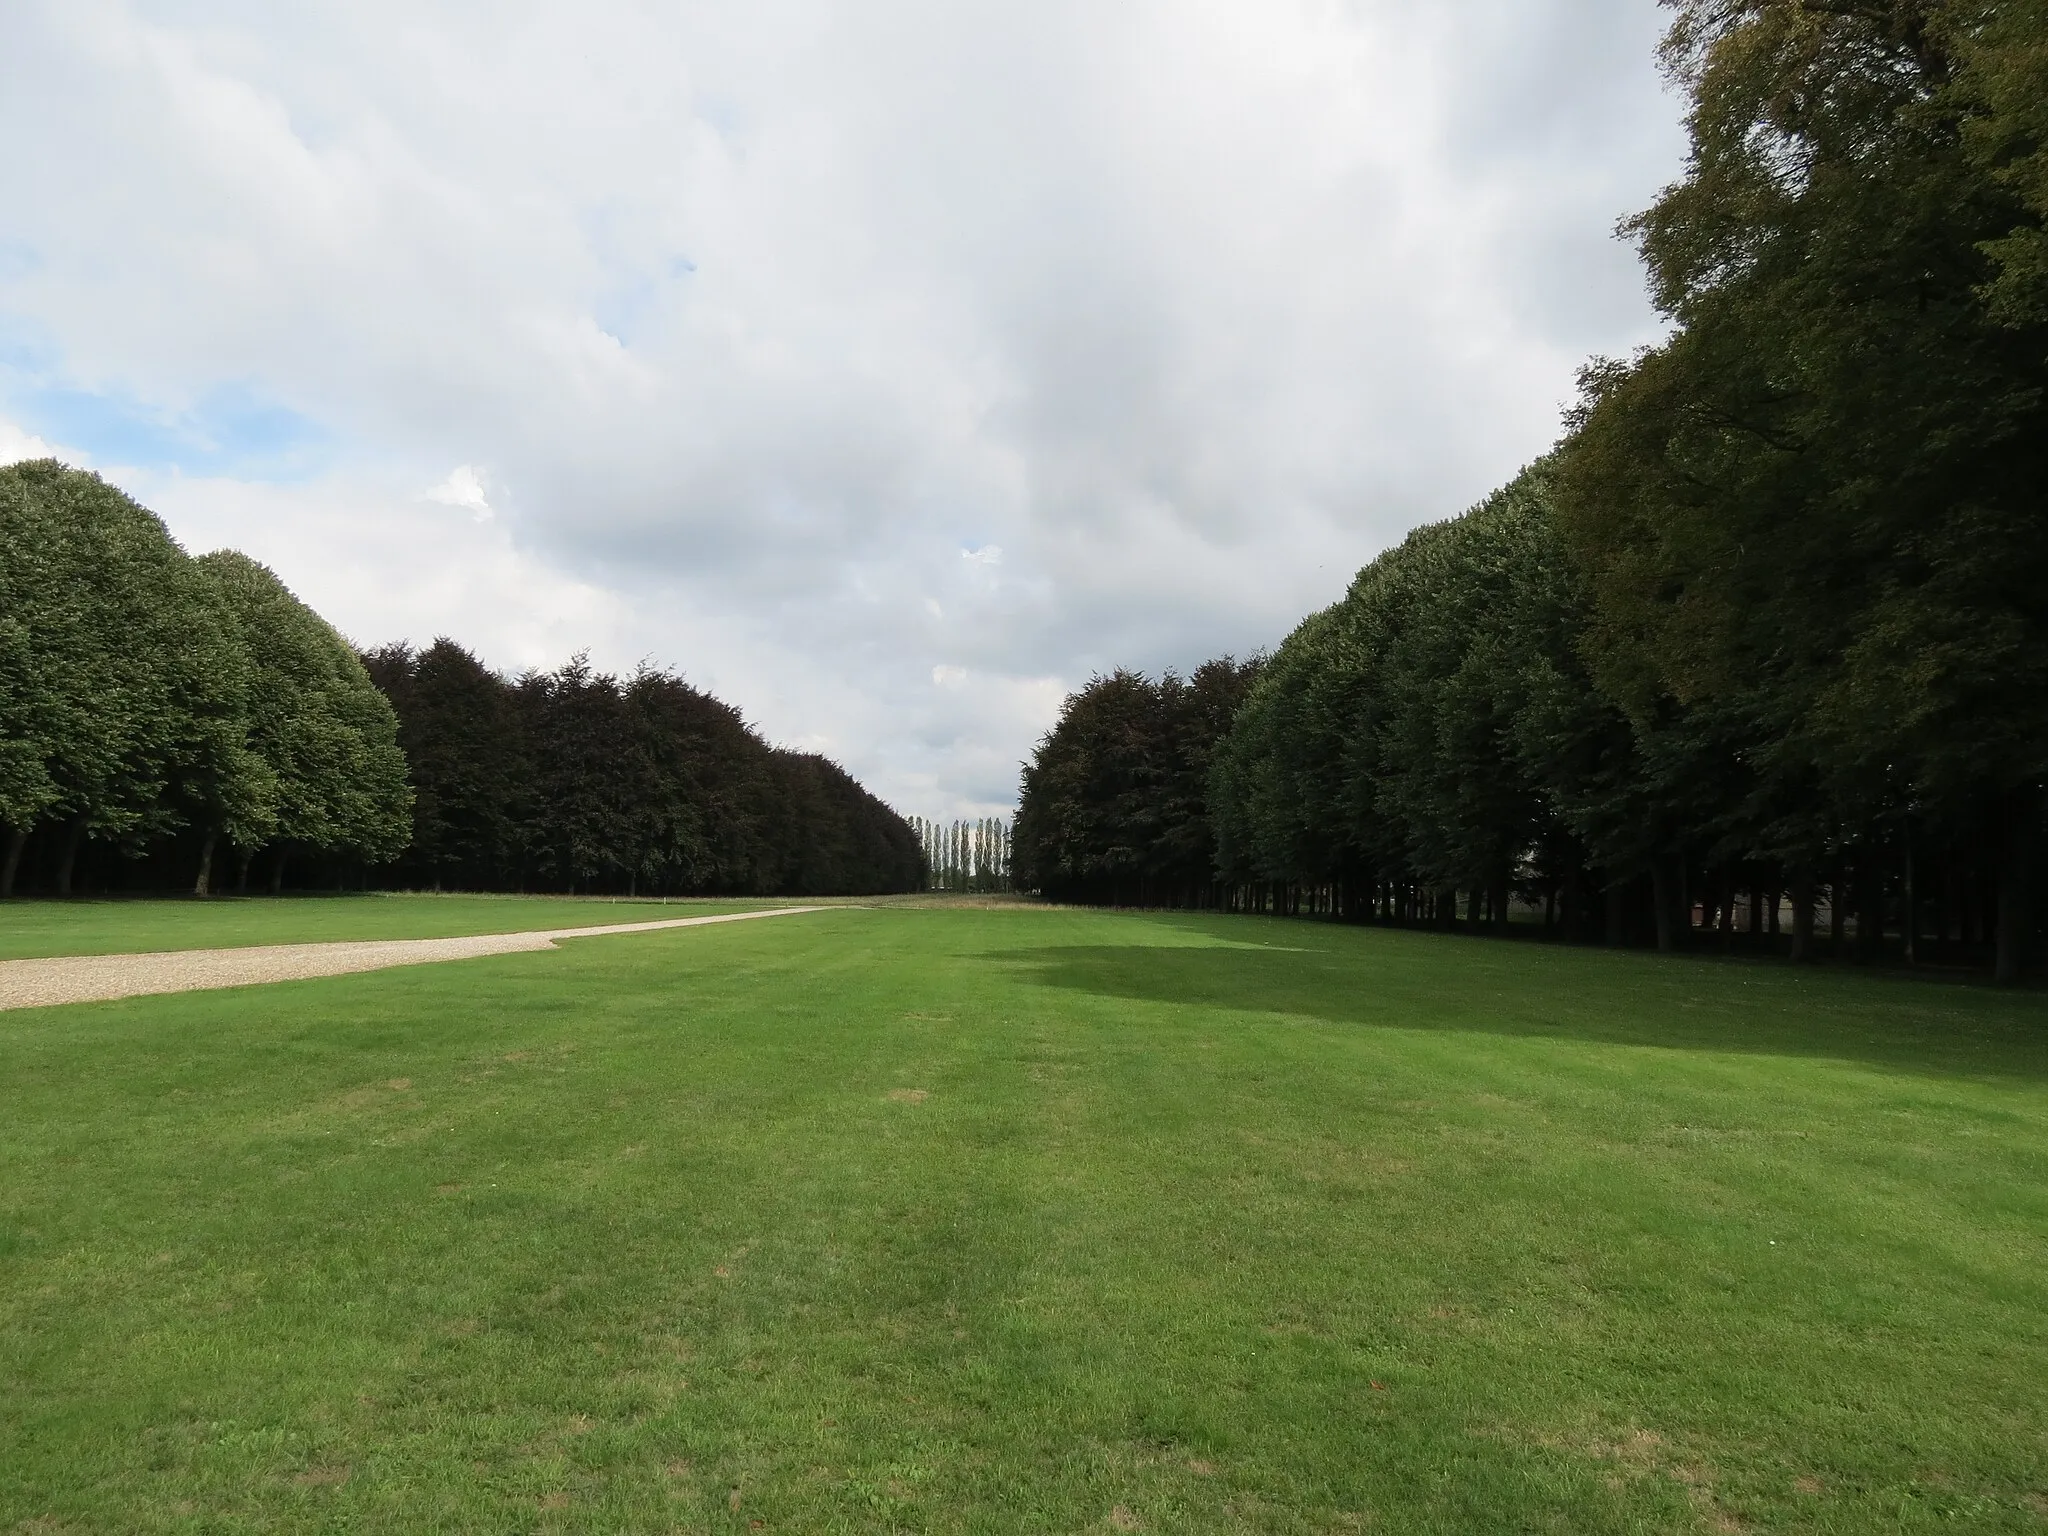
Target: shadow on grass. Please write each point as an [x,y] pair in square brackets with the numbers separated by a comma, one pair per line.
[1377,979]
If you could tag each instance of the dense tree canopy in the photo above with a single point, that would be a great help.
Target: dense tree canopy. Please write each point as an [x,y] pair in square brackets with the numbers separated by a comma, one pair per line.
[1114,807]
[1774,617]
[123,679]
[156,710]
[460,728]
[326,738]
[575,780]
[1816,515]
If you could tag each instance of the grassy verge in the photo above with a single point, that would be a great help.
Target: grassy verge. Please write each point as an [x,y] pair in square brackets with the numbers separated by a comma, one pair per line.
[1001,1221]
[114,927]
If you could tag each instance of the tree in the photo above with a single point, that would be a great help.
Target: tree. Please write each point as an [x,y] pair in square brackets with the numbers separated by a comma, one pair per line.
[1114,805]
[122,686]
[1817,508]
[577,779]
[2001,84]
[327,736]
[466,754]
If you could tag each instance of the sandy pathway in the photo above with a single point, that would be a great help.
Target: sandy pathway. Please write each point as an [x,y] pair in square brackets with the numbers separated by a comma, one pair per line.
[96,978]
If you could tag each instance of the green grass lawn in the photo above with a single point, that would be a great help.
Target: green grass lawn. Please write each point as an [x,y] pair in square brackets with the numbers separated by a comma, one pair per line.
[118,927]
[1019,1221]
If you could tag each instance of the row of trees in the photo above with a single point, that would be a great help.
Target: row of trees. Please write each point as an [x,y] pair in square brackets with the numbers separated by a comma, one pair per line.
[575,780]
[1770,623]
[171,721]
[1115,802]
[965,855]
[149,698]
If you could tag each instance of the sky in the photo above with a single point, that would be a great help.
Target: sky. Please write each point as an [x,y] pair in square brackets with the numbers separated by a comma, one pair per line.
[886,369]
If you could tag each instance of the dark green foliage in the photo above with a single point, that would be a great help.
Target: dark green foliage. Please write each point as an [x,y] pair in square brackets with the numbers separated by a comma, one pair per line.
[2001,50]
[161,710]
[123,682]
[575,780]
[1433,732]
[827,836]
[460,728]
[1773,621]
[1813,520]
[1114,805]
[326,737]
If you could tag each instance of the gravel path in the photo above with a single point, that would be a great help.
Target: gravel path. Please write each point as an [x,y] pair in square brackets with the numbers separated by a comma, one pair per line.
[97,978]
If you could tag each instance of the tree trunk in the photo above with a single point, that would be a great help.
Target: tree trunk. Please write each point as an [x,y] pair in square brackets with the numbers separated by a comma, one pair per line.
[1802,917]
[277,871]
[1838,914]
[1909,920]
[248,857]
[1615,900]
[200,886]
[67,859]
[2015,864]
[1870,905]
[2005,963]
[1665,896]
[17,839]
[1473,914]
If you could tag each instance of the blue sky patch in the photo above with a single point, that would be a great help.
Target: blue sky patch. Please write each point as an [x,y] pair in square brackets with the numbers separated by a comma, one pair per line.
[237,430]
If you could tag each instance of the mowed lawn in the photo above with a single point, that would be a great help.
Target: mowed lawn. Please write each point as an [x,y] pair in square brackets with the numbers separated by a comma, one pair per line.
[1029,1220]
[121,927]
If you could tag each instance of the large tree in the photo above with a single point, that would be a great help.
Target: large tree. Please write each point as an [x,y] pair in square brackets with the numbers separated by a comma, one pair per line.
[464,741]
[1114,804]
[122,682]
[320,726]
[1819,507]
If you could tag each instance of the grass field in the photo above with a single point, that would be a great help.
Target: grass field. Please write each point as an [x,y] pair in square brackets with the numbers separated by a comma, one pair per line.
[119,927]
[1002,1221]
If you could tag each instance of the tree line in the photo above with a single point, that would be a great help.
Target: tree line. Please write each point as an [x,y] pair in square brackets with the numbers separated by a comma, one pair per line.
[969,856]
[1115,802]
[149,699]
[167,721]
[1766,634]
[578,781]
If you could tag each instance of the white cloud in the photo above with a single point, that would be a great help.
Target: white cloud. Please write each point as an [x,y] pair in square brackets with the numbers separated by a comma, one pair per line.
[811,347]
[464,488]
[383,567]
[17,446]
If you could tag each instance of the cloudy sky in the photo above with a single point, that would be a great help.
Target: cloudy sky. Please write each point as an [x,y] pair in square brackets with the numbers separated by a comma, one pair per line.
[887,368]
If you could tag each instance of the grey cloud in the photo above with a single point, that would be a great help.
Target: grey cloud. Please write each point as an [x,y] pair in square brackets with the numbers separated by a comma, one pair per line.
[756,316]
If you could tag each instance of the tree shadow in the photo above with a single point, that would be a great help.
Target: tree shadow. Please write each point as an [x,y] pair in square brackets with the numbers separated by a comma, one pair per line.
[1405,980]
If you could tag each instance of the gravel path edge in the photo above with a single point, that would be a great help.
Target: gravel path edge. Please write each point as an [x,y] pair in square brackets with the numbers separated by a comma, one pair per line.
[49,981]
